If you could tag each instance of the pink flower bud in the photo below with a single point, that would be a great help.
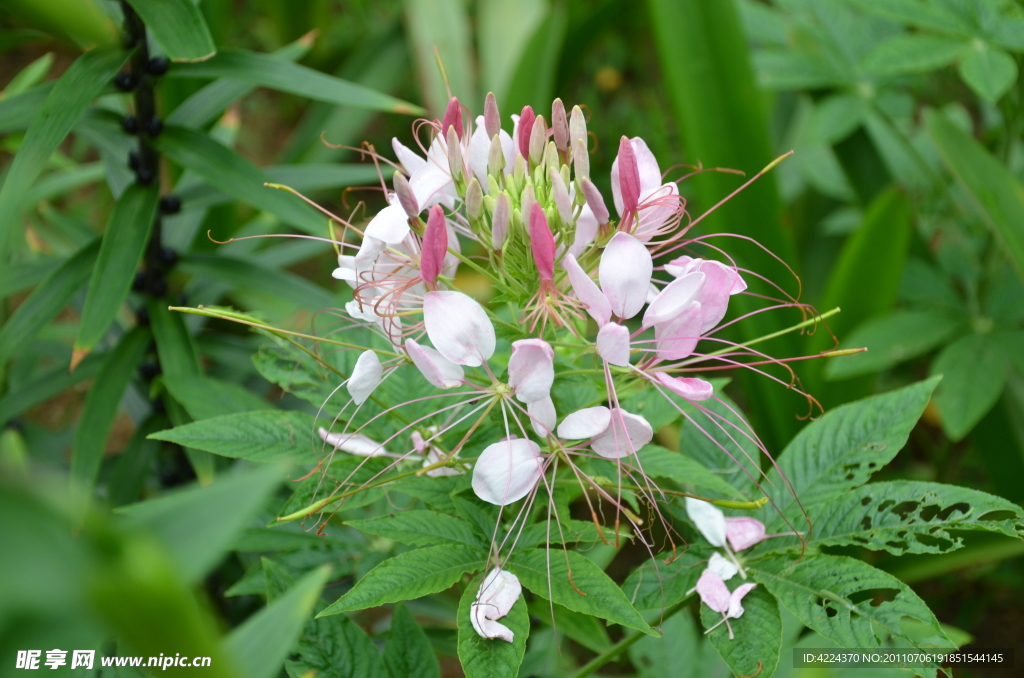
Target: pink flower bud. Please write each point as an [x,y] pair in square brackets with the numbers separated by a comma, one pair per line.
[542,242]
[577,128]
[492,119]
[525,128]
[452,118]
[500,219]
[435,246]
[455,163]
[405,195]
[538,139]
[595,201]
[559,125]
[561,194]
[629,176]
[474,199]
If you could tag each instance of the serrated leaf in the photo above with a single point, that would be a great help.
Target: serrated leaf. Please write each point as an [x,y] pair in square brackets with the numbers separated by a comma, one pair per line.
[989,72]
[571,532]
[724,443]
[658,462]
[578,585]
[758,634]
[844,599]
[657,585]
[410,575]
[124,243]
[262,436]
[491,658]
[408,654]
[178,26]
[841,450]
[913,53]
[183,520]
[420,528]
[204,397]
[299,374]
[974,371]
[335,647]
[892,339]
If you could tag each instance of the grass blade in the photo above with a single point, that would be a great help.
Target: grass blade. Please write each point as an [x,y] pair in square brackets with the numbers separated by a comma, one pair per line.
[178,26]
[442,25]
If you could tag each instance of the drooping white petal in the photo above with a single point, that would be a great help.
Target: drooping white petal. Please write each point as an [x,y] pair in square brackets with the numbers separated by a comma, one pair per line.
[346,269]
[437,369]
[625,273]
[587,291]
[743,532]
[506,471]
[458,327]
[676,339]
[708,519]
[542,416]
[391,224]
[712,591]
[498,593]
[361,311]
[735,610]
[722,566]
[690,388]
[365,376]
[613,344]
[410,160]
[676,296]
[367,255]
[353,443]
[490,629]
[626,435]
[585,423]
[531,369]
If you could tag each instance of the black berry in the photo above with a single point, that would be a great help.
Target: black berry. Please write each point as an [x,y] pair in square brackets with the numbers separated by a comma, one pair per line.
[142,317]
[130,124]
[139,283]
[148,370]
[133,160]
[154,126]
[168,257]
[156,285]
[158,65]
[126,82]
[170,204]
[144,176]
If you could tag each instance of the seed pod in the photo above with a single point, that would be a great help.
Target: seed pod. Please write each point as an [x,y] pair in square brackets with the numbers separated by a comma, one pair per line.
[405,195]
[595,201]
[499,222]
[559,125]
[492,119]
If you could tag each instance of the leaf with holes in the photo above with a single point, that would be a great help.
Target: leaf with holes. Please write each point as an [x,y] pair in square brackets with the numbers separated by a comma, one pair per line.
[758,634]
[848,601]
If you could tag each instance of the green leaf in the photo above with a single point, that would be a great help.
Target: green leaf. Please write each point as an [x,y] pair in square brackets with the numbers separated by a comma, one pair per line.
[758,634]
[335,647]
[989,72]
[661,657]
[490,658]
[658,584]
[45,386]
[251,277]
[174,344]
[974,370]
[441,25]
[66,102]
[103,402]
[134,463]
[536,72]
[841,450]
[46,300]
[297,373]
[205,397]
[230,172]
[268,70]
[845,600]
[789,70]
[913,53]
[199,525]
[18,112]
[995,190]
[892,339]
[260,645]
[407,653]
[124,243]
[178,26]
[572,581]
[410,575]
[262,436]
[936,16]
[30,76]
[590,632]
[659,462]
[836,117]
[505,30]
[907,517]
[420,528]
[717,442]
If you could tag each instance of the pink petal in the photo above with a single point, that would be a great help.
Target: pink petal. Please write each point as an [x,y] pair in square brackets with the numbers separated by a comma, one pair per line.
[722,566]
[743,532]
[524,127]
[542,242]
[708,519]
[410,160]
[586,231]
[625,166]
[531,369]
[626,435]
[507,471]
[391,224]
[613,344]
[542,416]
[656,207]
[458,327]
[437,369]
[647,165]
[712,591]
[585,423]
[690,388]
[735,607]
[365,376]
[435,245]
[680,266]
[625,273]
[676,296]
[587,291]
[714,296]
[452,117]
[353,443]
[676,339]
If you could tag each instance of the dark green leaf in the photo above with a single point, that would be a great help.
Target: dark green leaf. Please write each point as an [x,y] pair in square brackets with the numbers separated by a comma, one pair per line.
[17,277]
[657,462]
[989,72]
[335,647]
[134,464]
[173,343]
[420,528]
[205,397]
[758,634]
[974,371]
[178,26]
[491,658]
[407,653]
[590,632]
[441,25]
[657,584]
[251,277]
[263,436]
[535,74]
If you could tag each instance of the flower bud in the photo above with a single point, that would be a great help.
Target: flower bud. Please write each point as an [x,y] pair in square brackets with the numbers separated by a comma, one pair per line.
[542,242]
[524,130]
[492,119]
[495,157]
[452,118]
[551,160]
[580,159]
[577,128]
[499,222]
[435,246]
[538,139]
[455,163]
[405,195]
[561,195]
[595,201]
[559,125]
[629,176]
[526,200]
[474,199]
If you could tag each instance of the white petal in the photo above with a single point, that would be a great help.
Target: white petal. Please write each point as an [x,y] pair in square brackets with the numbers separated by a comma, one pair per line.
[613,344]
[458,327]
[365,376]
[680,266]
[367,255]
[587,291]
[353,443]
[391,225]
[490,629]
[708,519]
[479,148]
[586,231]
[676,296]
[625,273]
[362,311]
[506,471]
[428,184]
[437,369]
[657,207]
[676,339]
[531,369]
[410,160]
[626,435]
[585,423]
[722,566]
[647,164]
[346,269]
[542,416]
[714,296]
[498,592]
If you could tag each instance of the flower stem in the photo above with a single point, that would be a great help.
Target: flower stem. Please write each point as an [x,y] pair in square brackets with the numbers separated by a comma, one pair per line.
[799,326]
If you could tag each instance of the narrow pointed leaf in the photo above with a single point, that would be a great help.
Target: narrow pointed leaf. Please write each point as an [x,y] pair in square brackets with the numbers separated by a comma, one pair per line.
[408,653]
[252,277]
[45,386]
[178,26]
[442,25]
[205,397]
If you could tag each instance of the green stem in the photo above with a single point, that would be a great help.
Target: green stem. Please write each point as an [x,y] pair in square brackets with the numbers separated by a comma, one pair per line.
[618,648]
[799,326]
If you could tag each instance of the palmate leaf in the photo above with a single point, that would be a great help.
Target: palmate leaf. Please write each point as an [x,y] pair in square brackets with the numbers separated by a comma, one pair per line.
[906,517]
[407,653]
[420,528]
[261,436]
[758,634]
[490,658]
[410,575]
[845,600]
